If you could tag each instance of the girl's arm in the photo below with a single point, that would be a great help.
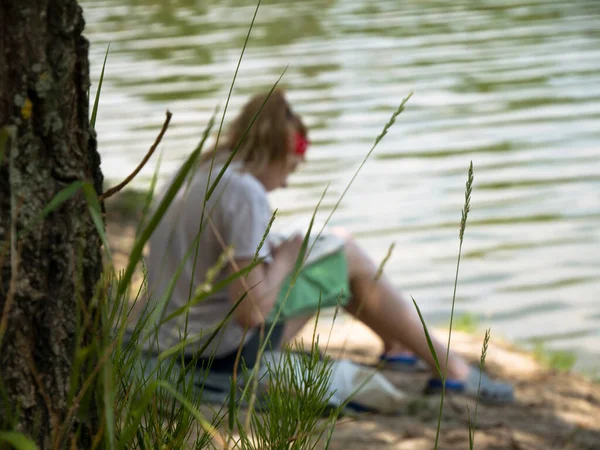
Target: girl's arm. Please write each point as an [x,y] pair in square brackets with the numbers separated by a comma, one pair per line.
[263,284]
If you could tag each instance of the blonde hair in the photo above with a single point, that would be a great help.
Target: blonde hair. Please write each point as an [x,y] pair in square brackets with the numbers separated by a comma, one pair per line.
[267,138]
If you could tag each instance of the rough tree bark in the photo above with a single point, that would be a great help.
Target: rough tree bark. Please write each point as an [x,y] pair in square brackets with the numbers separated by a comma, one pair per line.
[44,80]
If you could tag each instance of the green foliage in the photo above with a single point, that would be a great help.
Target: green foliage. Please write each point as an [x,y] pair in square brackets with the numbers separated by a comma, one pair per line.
[296,402]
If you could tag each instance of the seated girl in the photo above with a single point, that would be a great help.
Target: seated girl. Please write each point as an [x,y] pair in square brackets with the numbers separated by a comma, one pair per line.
[236,217]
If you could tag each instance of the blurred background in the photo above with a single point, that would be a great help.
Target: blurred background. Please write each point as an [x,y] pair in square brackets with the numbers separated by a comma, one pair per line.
[512,85]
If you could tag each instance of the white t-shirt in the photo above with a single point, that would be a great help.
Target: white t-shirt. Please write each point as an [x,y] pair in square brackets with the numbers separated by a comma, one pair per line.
[240,211]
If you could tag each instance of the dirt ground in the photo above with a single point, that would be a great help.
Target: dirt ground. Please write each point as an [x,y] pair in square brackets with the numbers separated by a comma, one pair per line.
[552,410]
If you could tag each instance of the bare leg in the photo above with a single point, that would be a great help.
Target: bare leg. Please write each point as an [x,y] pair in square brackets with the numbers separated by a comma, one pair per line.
[379,306]
[295,325]
[390,345]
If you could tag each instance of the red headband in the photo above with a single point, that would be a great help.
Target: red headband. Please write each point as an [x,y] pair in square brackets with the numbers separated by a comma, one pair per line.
[301,144]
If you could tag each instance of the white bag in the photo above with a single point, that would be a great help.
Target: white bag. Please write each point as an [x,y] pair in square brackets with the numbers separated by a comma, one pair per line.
[375,392]
[364,386]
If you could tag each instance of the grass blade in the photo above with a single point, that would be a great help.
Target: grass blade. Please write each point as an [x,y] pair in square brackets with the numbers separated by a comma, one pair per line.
[472,424]
[304,246]
[234,151]
[95,211]
[209,191]
[212,188]
[136,416]
[378,139]
[60,198]
[437,366]
[262,347]
[264,237]
[217,287]
[149,195]
[184,342]
[109,415]
[17,440]
[206,426]
[428,337]
[164,204]
[471,430]
[463,224]
[237,68]
[97,100]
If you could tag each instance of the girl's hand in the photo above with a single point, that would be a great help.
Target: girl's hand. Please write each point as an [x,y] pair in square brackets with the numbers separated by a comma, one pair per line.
[289,250]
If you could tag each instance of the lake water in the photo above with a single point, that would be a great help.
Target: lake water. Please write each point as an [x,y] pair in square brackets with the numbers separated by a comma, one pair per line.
[513,86]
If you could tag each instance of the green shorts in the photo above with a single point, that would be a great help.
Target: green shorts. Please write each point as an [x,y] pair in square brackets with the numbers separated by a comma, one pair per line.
[326,279]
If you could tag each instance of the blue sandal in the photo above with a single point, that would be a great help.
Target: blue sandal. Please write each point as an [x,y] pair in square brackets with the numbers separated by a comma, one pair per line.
[491,392]
[404,362]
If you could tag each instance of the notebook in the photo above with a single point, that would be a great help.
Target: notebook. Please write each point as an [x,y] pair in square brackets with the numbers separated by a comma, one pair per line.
[321,242]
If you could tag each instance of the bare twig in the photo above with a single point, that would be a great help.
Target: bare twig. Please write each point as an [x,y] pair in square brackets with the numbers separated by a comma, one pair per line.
[113,190]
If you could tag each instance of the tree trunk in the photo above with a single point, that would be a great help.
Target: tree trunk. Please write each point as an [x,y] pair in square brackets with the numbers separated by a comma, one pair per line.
[49,266]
